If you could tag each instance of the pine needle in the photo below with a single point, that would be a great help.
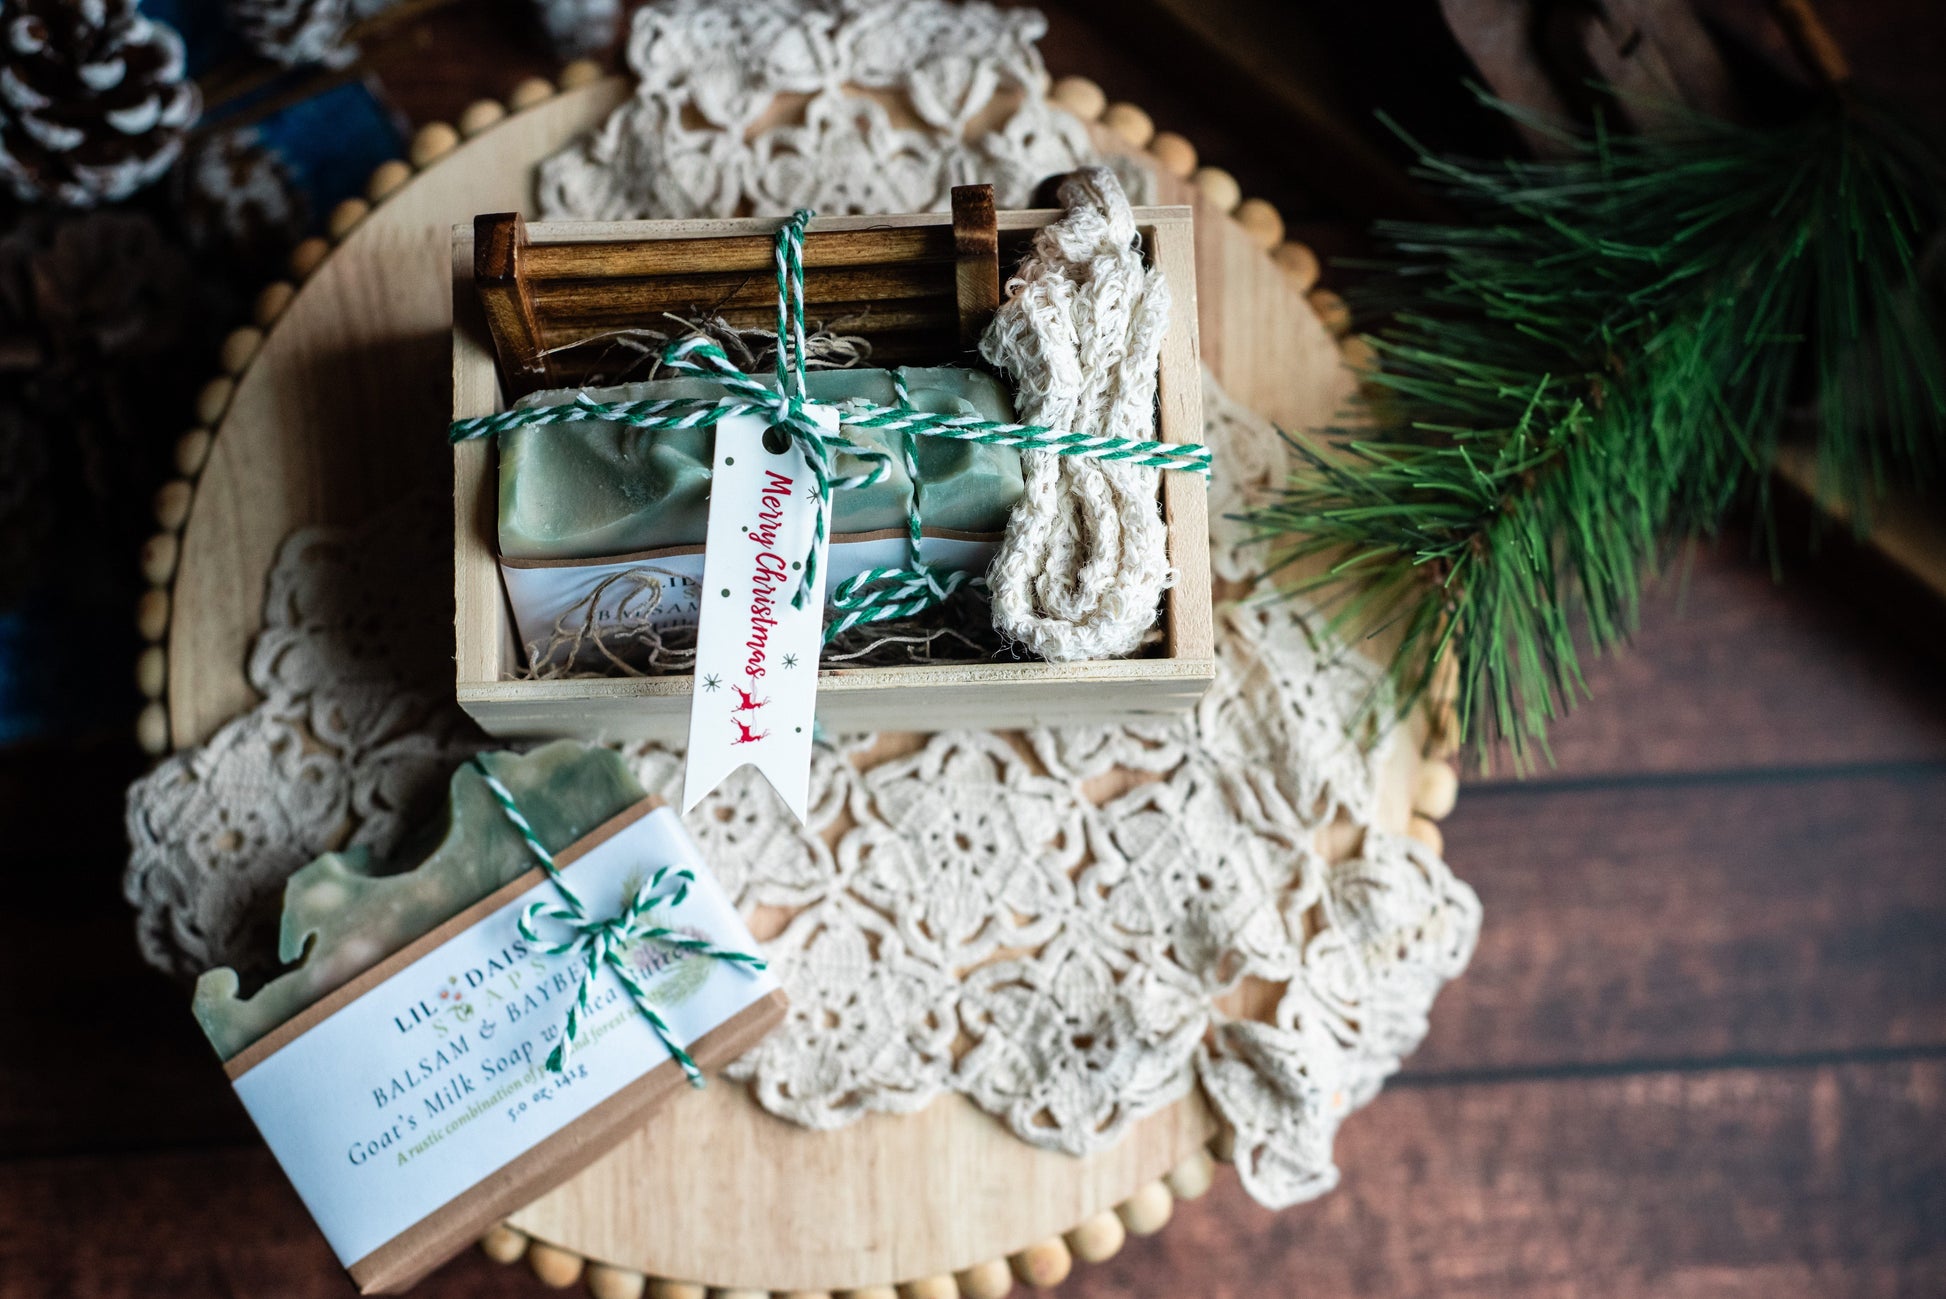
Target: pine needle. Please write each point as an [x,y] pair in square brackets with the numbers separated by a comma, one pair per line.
[1599,366]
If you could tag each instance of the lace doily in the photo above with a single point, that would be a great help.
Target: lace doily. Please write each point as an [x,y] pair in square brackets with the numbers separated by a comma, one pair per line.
[901,101]
[1050,924]
[1045,923]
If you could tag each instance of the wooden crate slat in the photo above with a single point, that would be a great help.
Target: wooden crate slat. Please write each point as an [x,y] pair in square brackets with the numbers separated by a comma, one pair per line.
[976,267]
[506,294]
[563,303]
[822,250]
[1188,615]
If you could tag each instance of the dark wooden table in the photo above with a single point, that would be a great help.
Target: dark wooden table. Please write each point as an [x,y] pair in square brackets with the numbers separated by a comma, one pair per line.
[1701,1050]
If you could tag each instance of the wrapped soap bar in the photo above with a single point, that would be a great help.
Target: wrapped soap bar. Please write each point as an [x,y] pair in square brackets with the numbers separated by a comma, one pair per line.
[404,1070]
[341,916]
[587,490]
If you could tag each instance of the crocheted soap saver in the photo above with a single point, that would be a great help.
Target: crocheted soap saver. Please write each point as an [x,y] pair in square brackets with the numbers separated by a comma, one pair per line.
[1084,561]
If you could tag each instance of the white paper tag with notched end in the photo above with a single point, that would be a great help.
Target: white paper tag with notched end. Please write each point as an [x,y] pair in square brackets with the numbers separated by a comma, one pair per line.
[756,646]
[435,1078]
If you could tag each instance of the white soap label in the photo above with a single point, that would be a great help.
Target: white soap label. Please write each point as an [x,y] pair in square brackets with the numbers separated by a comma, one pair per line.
[757,644]
[434,1078]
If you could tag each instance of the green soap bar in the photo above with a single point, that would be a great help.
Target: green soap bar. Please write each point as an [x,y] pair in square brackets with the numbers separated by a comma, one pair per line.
[969,486]
[589,490]
[341,917]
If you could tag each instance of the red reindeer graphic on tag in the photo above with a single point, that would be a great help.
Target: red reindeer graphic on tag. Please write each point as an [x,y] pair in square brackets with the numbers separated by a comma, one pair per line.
[744,735]
[747,702]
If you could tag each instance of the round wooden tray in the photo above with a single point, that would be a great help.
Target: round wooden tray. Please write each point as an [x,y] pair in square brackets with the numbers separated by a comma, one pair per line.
[304,428]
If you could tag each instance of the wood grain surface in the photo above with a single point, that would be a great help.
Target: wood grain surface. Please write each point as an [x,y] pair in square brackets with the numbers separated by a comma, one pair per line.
[1699,1052]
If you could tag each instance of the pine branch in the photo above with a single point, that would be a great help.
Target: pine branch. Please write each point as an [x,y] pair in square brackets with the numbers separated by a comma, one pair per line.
[1600,365]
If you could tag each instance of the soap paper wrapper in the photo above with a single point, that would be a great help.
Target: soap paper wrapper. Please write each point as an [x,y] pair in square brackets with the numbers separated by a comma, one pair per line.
[546,594]
[412,1108]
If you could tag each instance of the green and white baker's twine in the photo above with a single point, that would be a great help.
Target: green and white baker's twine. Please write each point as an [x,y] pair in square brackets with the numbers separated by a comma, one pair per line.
[878,593]
[607,942]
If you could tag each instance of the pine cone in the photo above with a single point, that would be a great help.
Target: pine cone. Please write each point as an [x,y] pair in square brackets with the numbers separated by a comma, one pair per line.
[237,200]
[95,101]
[293,32]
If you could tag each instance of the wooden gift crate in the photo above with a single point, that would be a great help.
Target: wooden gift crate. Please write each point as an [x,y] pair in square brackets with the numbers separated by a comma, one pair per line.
[918,293]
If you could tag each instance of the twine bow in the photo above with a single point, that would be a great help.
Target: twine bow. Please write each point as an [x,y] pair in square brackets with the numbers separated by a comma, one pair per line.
[597,943]
[878,593]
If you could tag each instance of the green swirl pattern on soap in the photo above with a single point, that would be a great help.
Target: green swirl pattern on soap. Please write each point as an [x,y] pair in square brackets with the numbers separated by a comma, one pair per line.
[592,489]
[342,915]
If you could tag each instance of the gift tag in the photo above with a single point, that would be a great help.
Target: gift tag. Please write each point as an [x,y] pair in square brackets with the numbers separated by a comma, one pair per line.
[757,651]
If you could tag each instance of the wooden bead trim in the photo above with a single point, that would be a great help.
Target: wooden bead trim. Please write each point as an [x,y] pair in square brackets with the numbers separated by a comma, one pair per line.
[554,1266]
[192,450]
[606,1281]
[479,115]
[238,348]
[1045,1265]
[151,671]
[271,302]
[1098,1239]
[1436,790]
[161,552]
[662,1289]
[534,90]
[434,141]
[386,179]
[1148,1210]
[345,217]
[1040,1266]
[1190,1179]
[1081,97]
[580,73]
[1175,156]
[504,1245]
[992,1279]
[159,559]
[1131,123]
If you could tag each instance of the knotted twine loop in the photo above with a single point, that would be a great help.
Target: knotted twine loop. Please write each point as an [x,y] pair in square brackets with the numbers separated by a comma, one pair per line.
[598,943]
[876,594]
[1085,559]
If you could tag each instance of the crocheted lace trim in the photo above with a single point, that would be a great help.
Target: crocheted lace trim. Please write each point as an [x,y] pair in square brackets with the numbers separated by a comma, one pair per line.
[1043,922]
